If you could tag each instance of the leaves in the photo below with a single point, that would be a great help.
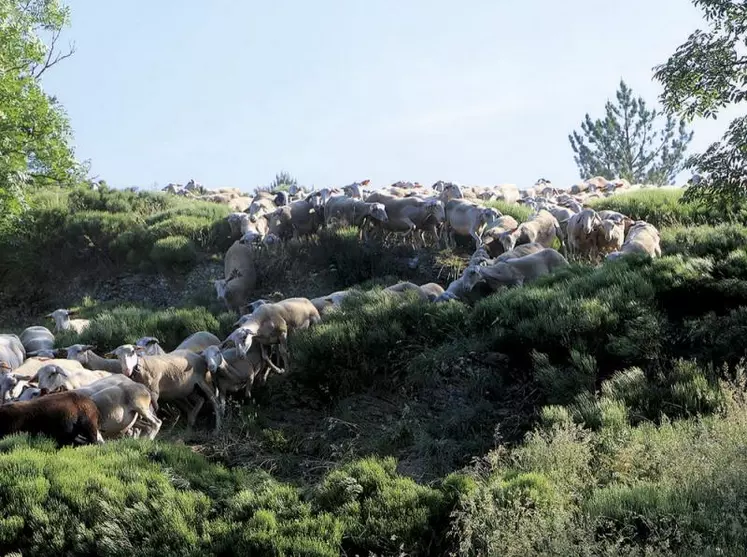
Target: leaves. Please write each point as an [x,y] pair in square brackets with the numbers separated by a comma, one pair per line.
[34,130]
[628,144]
[704,75]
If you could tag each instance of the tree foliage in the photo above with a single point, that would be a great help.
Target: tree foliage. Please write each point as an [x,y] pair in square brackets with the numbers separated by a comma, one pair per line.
[34,129]
[629,142]
[705,74]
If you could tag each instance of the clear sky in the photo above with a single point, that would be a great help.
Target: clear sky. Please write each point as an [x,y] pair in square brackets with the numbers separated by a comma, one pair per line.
[229,92]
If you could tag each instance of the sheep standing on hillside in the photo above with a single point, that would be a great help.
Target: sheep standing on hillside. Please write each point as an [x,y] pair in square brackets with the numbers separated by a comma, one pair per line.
[65,417]
[270,325]
[541,228]
[582,233]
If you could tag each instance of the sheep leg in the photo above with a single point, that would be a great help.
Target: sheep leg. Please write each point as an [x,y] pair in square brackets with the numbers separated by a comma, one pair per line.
[283,349]
[205,388]
[267,359]
[144,413]
[248,386]
[192,414]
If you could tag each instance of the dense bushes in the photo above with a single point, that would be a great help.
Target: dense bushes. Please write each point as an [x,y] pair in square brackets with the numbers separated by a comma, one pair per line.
[80,231]
[141,498]
[121,325]
[663,207]
[666,490]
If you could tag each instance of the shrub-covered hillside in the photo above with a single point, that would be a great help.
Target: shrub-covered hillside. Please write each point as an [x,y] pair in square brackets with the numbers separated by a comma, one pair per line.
[597,411]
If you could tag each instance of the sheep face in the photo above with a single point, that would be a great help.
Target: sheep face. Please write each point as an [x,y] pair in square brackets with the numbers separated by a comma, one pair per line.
[77,352]
[378,212]
[52,378]
[608,229]
[242,338]
[127,354]
[29,393]
[471,277]
[61,319]
[490,215]
[220,288]
[7,382]
[214,358]
[508,240]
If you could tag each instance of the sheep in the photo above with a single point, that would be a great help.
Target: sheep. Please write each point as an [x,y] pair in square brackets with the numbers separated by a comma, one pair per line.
[150,346]
[642,238]
[198,341]
[37,340]
[582,233]
[270,324]
[515,272]
[31,366]
[519,251]
[542,228]
[12,352]
[491,235]
[467,218]
[618,218]
[51,376]
[230,371]
[28,393]
[431,290]
[173,376]
[8,382]
[65,417]
[84,354]
[403,287]
[122,403]
[610,236]
[241,276]
[63,322]
[324,304]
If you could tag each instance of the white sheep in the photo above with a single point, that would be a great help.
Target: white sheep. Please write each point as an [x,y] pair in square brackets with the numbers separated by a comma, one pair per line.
[63,322]
[515,272]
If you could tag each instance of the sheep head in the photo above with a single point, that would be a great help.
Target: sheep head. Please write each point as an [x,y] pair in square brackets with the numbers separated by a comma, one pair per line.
[128,356]
[378,212]
[220,288]
[471,276]
[214,358]
[242,339]
[52,378]
[77,352]
[149,345]
[61,319]
[508,239]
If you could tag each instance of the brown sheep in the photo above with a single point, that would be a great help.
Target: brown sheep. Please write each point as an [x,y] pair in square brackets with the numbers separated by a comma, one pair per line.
[62,416]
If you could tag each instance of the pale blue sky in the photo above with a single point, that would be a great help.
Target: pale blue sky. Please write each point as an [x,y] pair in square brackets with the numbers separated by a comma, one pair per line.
[229,92]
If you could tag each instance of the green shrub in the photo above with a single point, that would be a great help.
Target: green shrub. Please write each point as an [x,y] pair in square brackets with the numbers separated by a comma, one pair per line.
[703,241]
[124,325]
[660,207]
[174,251]
[520,212]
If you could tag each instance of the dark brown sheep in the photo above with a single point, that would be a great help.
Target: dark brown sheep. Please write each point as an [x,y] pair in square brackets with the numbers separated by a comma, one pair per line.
[62,416]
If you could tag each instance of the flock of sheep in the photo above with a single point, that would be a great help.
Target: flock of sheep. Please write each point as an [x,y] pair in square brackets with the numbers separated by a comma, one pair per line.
[77,396]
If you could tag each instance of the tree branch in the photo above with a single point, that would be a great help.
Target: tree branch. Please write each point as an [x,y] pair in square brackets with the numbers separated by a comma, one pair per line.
[59,57]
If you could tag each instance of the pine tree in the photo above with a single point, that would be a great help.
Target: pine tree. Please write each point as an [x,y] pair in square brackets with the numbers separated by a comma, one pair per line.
[628,143]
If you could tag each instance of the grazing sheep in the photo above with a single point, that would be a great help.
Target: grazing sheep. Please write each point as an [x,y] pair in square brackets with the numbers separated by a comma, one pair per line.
[519,251]
[325,304]
[37,340]
[541,228]
[27,392]
[403,287]
[8,382]
[270,325]
[432,290]
[642,238]
[150,346]
[65,417]
[491,235]
[582,233]
[241,276]
[62,321]
[84,354]
[12,351]
[231,372]
[199,341]
[610,236]
[353,212]
[515,272]
[618,218]
[173,376]
[50,377]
